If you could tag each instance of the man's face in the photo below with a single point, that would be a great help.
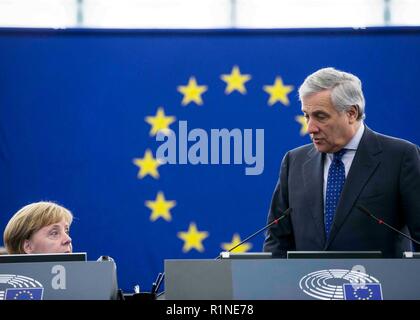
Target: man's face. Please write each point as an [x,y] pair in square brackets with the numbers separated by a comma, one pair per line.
[53,238]
[330,130]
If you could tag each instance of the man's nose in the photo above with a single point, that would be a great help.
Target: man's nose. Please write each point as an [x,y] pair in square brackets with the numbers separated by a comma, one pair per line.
[312,127]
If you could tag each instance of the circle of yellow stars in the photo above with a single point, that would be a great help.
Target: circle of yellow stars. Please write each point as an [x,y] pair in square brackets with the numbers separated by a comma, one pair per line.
[148,165]
[28,294]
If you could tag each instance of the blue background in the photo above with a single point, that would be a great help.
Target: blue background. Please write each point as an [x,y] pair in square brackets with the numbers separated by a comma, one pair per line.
[72,109]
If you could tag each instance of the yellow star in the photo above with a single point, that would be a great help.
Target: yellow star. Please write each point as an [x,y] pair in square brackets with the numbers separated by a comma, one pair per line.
[147,165]
[278,92]
[304,123]
[193,238]
[159,121]
[235,241]
[235,80]
[192,92]
[160,207]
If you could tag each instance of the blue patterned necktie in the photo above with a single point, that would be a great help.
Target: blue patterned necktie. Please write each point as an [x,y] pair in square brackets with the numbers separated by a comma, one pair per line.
[335,183]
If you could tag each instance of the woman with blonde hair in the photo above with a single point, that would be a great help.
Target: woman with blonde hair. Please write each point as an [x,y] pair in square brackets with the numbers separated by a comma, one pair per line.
[41,227]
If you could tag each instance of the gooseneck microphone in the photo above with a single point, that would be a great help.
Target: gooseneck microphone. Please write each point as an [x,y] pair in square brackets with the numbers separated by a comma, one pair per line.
[380,221]
[275,221]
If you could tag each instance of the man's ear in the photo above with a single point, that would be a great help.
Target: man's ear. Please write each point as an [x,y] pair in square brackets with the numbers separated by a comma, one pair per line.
[353,113]
[27,246]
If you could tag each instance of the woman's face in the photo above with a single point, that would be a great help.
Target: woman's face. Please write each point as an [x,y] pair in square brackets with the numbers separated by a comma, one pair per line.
[53,238]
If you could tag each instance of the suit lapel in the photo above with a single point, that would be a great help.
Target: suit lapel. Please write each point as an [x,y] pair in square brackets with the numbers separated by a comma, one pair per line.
[313,179]
[363,166]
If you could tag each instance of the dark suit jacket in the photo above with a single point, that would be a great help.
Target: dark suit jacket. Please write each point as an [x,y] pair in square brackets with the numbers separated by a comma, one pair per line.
[384,177]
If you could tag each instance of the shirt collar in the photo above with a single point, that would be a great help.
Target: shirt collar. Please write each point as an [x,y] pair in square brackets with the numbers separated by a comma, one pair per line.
[354,142]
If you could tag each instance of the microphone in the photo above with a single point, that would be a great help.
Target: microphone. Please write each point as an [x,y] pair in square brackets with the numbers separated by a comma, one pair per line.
[380,221]
[275,221]
[156,284]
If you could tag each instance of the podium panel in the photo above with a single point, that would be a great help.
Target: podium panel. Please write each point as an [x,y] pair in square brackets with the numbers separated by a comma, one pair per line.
[300,279]
[87,280]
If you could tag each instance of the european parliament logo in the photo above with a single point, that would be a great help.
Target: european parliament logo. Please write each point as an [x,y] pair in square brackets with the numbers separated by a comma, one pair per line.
[24,294]
[19,287]
[341,284]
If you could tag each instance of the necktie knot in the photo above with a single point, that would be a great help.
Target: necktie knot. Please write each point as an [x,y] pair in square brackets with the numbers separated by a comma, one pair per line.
[339,154]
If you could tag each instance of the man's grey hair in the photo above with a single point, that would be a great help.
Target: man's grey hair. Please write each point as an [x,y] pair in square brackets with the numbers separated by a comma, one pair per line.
[346,89]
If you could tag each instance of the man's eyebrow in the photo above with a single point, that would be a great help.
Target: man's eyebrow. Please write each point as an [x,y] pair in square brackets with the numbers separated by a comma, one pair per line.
[316,112]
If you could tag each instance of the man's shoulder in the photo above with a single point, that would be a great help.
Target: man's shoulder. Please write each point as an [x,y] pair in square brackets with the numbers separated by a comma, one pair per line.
[304,150]
[393,143]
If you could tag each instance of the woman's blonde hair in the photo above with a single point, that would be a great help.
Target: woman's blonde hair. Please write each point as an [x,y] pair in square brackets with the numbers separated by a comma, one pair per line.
[29,220]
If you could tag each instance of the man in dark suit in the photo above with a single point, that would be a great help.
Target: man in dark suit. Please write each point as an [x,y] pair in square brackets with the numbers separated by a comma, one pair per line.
[347,165]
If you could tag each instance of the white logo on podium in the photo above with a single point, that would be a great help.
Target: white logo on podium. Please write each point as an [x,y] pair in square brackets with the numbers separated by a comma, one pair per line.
[13,282]
[329,284]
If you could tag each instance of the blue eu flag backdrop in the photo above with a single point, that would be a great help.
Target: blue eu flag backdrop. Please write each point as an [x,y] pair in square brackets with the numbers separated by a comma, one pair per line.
[81,112]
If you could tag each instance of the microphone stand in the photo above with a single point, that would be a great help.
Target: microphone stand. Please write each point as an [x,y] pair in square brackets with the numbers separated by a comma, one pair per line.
[275,221]
[380,221]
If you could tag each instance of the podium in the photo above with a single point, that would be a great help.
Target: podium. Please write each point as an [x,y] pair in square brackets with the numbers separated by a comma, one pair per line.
[81,280]
[293,279]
